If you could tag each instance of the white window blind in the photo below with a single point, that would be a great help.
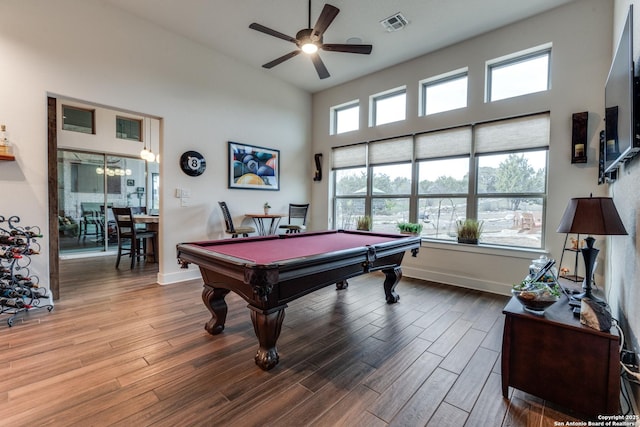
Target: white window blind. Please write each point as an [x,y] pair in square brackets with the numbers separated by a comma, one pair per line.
[391,151]
[513,134]
[450,142]
[349,156]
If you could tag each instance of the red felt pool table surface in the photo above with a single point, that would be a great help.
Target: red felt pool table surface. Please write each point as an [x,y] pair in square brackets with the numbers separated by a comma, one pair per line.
[269,251]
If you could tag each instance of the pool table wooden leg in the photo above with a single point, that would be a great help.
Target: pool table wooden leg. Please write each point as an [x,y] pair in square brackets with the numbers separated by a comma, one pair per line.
[213,299]
[267,325]
[392,277]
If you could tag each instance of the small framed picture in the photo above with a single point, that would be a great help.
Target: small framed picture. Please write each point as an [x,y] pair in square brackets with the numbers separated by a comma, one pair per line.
[253,168]
[131,183]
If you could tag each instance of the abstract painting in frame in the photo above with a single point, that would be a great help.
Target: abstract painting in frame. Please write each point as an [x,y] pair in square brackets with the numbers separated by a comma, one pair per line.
[253,168]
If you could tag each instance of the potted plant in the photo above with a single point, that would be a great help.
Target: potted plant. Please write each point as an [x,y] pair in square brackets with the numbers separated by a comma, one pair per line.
[409,228]
[266,208]
[364,223]
[469,230]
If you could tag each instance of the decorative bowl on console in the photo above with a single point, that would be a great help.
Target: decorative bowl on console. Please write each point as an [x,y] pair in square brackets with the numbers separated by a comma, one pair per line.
[536,297]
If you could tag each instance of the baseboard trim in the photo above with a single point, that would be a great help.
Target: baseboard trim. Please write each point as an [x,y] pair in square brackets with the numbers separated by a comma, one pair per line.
[457,280]
[180,276]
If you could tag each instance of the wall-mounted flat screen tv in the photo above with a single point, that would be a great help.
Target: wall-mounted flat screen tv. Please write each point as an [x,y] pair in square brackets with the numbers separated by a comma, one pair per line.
[621,139]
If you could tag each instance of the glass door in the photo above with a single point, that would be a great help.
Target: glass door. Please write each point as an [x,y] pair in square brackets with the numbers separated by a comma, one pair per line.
[89,184]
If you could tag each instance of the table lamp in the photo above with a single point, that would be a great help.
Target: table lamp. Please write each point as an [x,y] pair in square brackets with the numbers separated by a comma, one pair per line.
[591,215]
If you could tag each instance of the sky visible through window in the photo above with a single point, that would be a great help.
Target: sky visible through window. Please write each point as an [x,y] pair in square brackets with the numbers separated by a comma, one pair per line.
[391,109]
[537,160]
[347,119]
[520,78]
[445,96]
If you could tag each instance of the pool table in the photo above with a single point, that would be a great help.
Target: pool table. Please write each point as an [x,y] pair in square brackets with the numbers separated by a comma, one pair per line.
[268,272]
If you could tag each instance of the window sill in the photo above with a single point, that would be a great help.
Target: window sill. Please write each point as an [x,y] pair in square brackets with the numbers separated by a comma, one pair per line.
[485,249]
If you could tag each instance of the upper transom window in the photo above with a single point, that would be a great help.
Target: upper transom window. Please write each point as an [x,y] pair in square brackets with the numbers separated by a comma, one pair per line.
[444,93]
[388,107]
[518,75]
[345,118]
[127,128]
[78,119]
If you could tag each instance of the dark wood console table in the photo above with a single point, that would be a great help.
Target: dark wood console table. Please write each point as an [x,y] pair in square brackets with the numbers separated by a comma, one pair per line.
[558,359]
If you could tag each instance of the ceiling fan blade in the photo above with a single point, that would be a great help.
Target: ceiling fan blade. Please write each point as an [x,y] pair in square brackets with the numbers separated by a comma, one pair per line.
[271,32]
[364,49]
[325,19]
[281,59]
[323,73]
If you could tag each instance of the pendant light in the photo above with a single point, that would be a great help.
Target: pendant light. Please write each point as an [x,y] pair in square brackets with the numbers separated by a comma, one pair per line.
[144,154]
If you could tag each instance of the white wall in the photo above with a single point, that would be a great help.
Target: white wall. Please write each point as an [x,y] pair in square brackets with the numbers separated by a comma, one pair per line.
[89,51]
[581,36]
[624,258]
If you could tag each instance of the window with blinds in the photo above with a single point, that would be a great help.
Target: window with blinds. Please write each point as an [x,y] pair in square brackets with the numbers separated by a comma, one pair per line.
[495,172]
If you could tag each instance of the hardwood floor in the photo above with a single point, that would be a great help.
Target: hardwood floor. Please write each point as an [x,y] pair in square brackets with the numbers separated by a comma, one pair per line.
[119,349]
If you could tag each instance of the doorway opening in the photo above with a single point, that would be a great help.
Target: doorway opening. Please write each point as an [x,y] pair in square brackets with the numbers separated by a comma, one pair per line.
[95,163]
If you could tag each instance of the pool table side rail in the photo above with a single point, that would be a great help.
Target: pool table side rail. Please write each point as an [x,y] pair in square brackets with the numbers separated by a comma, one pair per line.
[293,276]
[203,252]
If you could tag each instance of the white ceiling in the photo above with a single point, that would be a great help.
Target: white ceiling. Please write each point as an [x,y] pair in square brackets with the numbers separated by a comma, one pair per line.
[223,25]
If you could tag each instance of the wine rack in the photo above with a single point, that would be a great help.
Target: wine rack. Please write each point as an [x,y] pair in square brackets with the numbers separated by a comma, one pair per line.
[20,291]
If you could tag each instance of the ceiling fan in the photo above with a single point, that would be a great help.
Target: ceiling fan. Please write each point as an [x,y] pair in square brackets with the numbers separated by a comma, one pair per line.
[309,40]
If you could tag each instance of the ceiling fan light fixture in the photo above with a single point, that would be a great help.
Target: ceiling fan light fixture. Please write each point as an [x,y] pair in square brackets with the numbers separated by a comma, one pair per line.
[309,47]
[309,40]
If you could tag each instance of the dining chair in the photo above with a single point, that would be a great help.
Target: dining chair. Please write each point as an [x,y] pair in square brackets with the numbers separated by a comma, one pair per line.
[136,239]
[91,223]
[228,222]
[297,218]
[139,210]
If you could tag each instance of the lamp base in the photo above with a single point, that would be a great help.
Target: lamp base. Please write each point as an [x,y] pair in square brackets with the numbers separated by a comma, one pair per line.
[588,294]
[590,254]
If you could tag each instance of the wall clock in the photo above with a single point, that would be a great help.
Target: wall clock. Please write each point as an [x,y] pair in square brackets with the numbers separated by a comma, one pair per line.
[192,163]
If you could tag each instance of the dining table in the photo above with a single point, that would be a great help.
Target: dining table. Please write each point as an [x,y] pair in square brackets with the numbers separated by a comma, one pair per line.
[268,227]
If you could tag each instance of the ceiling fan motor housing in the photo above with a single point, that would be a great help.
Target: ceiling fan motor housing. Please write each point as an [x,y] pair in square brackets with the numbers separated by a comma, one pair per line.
[304,36]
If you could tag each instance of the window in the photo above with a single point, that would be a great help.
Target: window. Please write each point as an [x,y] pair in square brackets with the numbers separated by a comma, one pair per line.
[443,180]
[78,119]
[127,128]
[528,73]
[444,93]
[350,178]
[512,179]
[388,107]
[495,172]
[345,118]
[390,191]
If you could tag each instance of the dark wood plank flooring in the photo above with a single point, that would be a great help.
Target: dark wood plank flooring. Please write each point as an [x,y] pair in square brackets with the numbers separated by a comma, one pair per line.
[118,349]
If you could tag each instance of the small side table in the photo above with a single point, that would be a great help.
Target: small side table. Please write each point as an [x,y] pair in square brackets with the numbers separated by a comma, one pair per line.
[262,228]
[558,359]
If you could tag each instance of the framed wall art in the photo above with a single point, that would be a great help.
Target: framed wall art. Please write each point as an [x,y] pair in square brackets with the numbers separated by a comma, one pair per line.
[579,137]
[253,168]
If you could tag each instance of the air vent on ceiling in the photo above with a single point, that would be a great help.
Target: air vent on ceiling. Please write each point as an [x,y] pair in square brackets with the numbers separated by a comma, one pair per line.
[394,22]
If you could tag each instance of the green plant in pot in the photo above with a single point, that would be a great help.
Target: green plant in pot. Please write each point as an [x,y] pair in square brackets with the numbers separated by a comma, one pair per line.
[364,223]
[409,227]
[469,230]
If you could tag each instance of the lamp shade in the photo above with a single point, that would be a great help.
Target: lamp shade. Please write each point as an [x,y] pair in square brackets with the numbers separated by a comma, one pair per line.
[591,215]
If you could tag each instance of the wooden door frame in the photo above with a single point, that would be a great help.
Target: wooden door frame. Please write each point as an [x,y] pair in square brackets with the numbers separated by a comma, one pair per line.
[52,184]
